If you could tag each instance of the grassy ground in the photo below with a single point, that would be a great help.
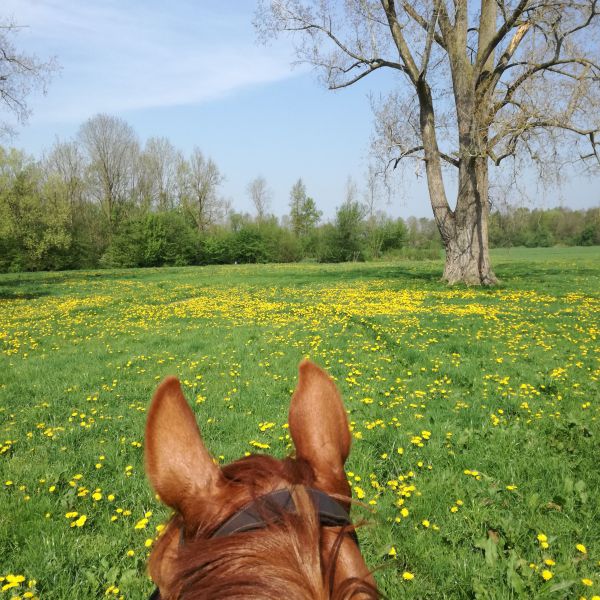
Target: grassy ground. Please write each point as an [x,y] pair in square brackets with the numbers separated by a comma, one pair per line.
[475,414]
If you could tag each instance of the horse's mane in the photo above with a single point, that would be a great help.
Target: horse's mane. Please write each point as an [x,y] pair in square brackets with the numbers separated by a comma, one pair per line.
[282,559]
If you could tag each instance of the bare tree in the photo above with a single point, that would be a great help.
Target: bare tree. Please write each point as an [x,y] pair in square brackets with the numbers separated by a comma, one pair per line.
[198,180]
[113,149]
[482,82]
[260,194]
[66,164]
[20,75]
[157,180]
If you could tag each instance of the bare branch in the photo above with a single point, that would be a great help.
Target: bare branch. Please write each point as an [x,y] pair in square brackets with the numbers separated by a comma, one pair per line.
[424,23]
[496,39]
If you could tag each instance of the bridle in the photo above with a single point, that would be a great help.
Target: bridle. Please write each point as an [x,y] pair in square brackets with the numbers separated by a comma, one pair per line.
[270,508]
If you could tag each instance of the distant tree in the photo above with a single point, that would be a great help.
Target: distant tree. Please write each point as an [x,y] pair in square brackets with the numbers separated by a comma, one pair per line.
[20,75]
[66,164]
[346,240]
[260,194]
[304,215]
[157,179]
[33,218]
[199,179]
[113,150]
[479,83]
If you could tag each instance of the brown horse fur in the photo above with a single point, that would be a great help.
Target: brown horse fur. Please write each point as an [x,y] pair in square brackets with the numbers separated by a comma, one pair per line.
[295,556]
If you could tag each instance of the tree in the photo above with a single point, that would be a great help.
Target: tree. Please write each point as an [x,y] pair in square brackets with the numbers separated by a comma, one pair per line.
[157,181]
[260,194]
[304,215]
[20,75]
[113,149]
[481,84]
[198,180]
[33,219]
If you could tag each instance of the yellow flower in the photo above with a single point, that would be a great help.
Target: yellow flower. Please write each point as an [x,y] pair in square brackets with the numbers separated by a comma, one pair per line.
[404,512]
[13,581]
[549,562]
[547,575]
[80,522]
[360,494]
[542,537]
[407,576]
[425,523]
[581,548]
[587,582]
[141,524]
[392,552]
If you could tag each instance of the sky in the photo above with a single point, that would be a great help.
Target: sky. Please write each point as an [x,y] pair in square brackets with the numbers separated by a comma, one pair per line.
[194,72]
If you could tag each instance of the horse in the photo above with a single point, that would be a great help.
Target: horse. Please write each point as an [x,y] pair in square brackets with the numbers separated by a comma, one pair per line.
[258,527]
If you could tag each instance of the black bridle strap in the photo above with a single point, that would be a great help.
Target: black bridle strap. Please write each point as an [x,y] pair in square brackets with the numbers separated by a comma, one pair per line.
[268,509]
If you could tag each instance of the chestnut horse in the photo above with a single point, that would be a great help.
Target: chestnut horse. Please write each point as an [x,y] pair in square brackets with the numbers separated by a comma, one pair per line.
[258,527]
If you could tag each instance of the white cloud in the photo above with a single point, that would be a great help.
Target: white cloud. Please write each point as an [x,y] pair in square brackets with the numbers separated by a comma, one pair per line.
[124,56]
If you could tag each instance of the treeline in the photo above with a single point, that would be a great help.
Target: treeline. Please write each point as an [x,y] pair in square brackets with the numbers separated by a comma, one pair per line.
[102,200]
[543,228]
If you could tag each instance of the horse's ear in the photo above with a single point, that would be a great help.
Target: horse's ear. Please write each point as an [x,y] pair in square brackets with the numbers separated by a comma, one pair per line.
[178,464]
[319,427]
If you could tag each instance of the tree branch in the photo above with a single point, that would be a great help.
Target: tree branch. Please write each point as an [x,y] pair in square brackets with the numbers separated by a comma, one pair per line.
[420,20]
[407,153]
[499,36]
[399,40]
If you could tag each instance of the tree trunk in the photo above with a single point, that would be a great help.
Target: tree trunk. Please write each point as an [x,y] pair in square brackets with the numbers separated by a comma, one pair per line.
[467,253]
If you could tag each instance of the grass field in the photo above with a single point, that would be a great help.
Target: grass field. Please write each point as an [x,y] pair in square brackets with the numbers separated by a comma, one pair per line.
[475,414]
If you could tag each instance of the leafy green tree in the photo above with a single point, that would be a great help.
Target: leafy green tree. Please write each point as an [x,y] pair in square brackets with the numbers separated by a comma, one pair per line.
[304,215]
[34,218]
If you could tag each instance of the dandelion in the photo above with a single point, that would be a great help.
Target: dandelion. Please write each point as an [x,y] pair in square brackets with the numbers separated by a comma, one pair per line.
[587,582]
[12,581]
[79,522]
[360,494]
[407,576]
[546,575]
[581,548]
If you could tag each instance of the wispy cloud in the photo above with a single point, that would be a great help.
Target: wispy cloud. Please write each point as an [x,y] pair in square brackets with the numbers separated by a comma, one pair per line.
[126,56]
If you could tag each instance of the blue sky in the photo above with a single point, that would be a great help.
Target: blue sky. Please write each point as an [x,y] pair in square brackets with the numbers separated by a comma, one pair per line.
[192,71]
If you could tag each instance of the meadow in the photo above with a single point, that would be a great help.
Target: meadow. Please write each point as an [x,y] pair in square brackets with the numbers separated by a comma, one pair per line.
[475,414]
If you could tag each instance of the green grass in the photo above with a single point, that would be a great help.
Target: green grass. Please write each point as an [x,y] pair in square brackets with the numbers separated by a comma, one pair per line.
[505,381]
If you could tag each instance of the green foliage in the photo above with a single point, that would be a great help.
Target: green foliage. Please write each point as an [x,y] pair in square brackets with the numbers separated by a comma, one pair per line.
[544,228]
[34,216]
[304,215]
[51,218]
[346,239]
[153,240]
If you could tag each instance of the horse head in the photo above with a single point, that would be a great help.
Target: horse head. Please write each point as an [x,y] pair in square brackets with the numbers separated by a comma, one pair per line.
[258,527]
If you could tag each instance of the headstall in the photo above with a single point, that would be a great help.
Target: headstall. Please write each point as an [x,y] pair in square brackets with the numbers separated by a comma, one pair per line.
[270,508]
